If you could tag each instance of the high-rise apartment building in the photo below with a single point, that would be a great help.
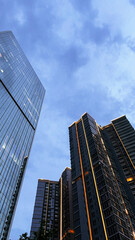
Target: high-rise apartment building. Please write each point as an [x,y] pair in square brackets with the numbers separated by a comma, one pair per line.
[21,97]
[52,216]
[46,210]
[103,179]
[66,209]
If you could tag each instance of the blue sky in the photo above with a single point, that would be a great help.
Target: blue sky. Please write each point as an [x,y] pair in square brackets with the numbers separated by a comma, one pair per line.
[84,54]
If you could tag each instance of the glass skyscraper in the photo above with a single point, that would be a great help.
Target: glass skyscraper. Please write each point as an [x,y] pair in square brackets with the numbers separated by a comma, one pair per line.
[103,179]
[21,97]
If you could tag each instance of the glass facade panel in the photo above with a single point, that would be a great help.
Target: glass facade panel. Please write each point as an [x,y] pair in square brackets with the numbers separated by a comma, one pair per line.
[19,77]
[21,97]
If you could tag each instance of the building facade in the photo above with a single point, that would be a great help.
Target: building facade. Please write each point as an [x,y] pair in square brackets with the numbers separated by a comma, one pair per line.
[45,219]
[103,179]
[66,208]
[52,216]
[21,97]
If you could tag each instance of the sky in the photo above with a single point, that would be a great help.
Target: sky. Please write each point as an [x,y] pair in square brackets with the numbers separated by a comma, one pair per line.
[84,54]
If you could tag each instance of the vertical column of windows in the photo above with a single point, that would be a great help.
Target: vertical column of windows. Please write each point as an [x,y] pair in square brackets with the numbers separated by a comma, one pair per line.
[116,127]
[121,225]
[118,161]
[104,181]
[84,187]
[95,183]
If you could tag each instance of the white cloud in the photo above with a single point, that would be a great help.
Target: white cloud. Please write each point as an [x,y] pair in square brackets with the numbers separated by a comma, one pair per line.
[113,71]
[69,23]
[119,15]
[20,17]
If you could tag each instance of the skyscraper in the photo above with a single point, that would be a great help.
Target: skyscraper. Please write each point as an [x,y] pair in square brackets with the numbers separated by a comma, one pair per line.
[103,179]
[66,208]
[52,216]
[46,210]
[21,97]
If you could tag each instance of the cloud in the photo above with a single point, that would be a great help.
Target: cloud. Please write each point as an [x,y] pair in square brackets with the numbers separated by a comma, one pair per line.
[118,21]
[20,17]
[97,35]
[81,7]
[110,70]
[92,52]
